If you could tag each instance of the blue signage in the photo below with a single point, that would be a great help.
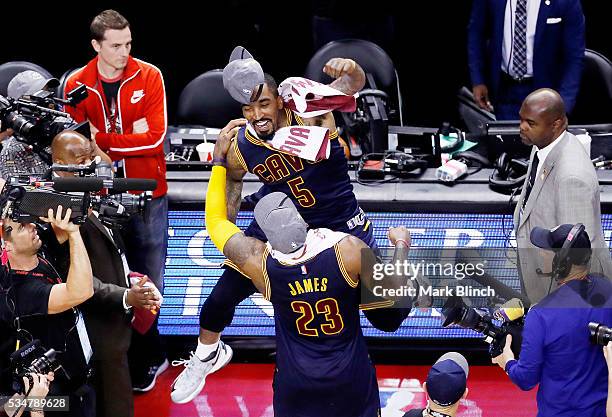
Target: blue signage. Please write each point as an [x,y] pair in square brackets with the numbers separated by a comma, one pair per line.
[193,267]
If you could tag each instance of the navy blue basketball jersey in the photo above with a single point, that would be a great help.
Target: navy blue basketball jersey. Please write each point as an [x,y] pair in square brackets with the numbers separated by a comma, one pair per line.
[322,362]
[321,191]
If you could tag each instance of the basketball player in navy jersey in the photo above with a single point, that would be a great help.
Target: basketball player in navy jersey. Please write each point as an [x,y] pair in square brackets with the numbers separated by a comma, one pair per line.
[321,191]
[312,278]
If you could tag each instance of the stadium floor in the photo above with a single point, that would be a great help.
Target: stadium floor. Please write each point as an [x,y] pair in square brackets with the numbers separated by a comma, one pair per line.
[245,390]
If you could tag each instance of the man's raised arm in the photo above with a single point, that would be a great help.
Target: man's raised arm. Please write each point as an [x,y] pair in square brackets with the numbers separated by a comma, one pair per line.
[349,76]
[245,252]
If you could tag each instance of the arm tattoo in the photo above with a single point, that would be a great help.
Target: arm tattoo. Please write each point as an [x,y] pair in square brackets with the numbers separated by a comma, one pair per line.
[234,197]
[246,252]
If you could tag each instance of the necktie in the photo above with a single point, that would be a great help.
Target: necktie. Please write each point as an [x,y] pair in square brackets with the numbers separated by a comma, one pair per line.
[519,56]
[532,178]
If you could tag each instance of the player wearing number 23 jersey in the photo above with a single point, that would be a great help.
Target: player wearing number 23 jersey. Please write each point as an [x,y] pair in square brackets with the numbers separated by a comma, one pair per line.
[322,362]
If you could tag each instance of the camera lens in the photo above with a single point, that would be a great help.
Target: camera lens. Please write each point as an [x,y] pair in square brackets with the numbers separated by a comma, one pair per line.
[19,124]
[600,334]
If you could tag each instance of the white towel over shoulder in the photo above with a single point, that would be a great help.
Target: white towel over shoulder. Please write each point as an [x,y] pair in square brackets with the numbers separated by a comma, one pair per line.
[317,241]
[306,142]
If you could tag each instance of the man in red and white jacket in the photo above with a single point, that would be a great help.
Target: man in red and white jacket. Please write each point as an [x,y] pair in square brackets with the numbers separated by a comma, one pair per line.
[126,110]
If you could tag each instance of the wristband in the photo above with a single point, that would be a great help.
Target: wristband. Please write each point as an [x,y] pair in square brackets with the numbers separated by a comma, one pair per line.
[219,161]
[401,240]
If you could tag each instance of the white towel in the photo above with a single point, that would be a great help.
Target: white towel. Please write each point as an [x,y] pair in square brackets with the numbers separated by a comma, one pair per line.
[306,142]
[309,98]
[317,241]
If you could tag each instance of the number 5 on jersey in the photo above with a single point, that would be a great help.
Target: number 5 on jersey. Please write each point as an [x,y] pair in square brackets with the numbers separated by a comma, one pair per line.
[302,195]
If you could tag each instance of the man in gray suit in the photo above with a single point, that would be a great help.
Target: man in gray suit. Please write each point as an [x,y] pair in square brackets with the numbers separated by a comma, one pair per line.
[561,187]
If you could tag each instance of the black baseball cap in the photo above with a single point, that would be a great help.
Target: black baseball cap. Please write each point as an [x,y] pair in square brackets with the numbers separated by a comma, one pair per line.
[447,379]
[553,239]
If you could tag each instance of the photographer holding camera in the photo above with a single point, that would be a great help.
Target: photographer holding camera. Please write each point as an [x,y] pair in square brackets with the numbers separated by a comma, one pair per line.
[108,312]
[556,351]
[39,390]
[34,113]
[43,305]
[17,157]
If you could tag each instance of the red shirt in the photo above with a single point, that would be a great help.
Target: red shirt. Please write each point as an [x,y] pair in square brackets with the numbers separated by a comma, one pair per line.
[141,96]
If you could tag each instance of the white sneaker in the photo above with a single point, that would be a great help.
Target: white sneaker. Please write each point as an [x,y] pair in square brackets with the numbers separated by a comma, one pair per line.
[191,381]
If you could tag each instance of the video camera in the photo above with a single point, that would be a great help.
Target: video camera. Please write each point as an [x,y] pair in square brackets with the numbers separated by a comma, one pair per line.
[24,198]
[600,334]
[511,314]
[36,120]
[32,359]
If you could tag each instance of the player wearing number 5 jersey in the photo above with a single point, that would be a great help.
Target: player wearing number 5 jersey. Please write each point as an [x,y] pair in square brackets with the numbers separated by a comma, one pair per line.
[321,191]
[312,277]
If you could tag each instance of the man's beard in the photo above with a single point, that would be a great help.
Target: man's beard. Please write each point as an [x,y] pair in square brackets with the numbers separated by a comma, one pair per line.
[267,137]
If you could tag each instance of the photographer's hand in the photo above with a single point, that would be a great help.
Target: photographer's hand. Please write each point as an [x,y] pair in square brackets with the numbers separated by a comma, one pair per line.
[607,350]
[62,227]
[506,355]
[6,134]
[41,385]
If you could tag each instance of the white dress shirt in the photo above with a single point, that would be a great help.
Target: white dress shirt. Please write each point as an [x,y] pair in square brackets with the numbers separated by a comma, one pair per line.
[543,153]
[533,8]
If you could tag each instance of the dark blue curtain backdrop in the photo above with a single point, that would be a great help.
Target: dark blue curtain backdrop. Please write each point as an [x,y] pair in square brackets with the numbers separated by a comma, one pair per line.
[426,40]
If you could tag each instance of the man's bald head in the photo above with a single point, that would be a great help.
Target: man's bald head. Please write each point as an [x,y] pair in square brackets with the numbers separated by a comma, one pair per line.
[547,102]
[70,147]
[543,117]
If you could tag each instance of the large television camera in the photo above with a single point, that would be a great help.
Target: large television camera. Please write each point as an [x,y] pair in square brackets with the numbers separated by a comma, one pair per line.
[36,119]
[26,198]
[510,316]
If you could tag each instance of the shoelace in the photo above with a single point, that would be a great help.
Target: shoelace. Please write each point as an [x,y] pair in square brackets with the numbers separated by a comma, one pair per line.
[185,362]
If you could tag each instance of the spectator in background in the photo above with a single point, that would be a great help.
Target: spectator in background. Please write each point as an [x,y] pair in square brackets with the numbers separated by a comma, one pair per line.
[126,109]
[446,386]
[518,46]
[556,352]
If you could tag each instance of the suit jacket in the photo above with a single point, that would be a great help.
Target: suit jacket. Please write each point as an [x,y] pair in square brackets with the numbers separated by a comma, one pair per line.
[108,323]
[558,46]
[565,191]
